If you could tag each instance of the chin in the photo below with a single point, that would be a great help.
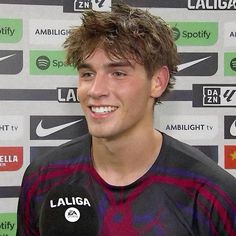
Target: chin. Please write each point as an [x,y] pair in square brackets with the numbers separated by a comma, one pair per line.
[98,133]
[102,134]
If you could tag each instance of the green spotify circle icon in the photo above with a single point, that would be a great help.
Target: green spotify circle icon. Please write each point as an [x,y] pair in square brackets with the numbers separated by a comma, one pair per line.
[233,64]
[176,33]
[43,62]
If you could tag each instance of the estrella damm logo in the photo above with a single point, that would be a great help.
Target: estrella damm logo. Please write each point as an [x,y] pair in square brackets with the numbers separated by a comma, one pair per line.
[49,63]
[195,33]
[11,158]
[10,30]
[230,64]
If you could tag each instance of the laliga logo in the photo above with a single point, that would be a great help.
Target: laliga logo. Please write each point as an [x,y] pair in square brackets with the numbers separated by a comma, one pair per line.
[72,214]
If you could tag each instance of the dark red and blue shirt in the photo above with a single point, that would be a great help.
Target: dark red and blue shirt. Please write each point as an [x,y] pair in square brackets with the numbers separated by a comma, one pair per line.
[183,193]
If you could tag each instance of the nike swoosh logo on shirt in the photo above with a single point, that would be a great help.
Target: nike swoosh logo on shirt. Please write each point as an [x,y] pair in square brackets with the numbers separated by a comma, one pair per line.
[6,57]
[191,63]
[233,129]
[43,132]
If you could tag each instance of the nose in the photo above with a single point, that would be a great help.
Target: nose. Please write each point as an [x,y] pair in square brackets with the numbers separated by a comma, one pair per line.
[99,86]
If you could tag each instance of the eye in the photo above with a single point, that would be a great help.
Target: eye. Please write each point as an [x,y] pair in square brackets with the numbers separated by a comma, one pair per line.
[119,74]
[86,74]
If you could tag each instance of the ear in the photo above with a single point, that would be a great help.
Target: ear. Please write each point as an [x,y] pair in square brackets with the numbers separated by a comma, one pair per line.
[159,81]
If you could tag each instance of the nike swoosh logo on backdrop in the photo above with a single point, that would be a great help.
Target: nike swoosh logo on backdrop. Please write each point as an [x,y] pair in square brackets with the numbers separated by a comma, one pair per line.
[191,63]
[6,57]
[43,132]
[233,129]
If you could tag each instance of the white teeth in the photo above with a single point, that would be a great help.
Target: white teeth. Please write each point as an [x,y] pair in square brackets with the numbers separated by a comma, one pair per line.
[103,109]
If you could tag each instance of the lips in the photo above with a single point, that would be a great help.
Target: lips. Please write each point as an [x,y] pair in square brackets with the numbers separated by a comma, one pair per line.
[103,109]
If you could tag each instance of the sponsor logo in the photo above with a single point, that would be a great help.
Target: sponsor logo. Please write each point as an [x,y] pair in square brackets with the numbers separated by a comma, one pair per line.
[230,156]
[230,34]
[230,127]
[43,62]
[8,224]
[195,33]
[212,4]
[210,151]
[230,64]
[11,158]
[83,5]
[215,95]
[11,62]
[49,63]
[57,127]
[10,30]
[67,95]
[42,132]
[72,214]
[198,64]
[189,128]
[50,32]
[11,127]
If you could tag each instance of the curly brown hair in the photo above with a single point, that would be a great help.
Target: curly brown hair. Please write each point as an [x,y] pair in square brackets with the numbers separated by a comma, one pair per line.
[128,33]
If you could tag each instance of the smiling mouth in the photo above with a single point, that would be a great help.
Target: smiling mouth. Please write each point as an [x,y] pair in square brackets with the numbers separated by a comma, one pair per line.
[103,109]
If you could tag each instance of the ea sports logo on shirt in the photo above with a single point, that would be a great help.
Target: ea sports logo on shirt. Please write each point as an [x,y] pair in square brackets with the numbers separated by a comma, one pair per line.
[72,214]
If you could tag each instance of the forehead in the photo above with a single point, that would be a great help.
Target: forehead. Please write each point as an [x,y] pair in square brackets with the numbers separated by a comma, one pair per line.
[100,57]
[102,53]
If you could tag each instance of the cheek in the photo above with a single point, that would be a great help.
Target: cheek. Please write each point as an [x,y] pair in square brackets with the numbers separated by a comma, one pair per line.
[136,98]
[138,91]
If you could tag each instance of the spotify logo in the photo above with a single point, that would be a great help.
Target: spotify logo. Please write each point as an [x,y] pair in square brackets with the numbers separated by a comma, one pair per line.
[233,64]
[176,33]
[195,33]
[230,64]
[43,62]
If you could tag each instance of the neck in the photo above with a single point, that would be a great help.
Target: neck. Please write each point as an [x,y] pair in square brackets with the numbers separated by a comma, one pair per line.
[121,162]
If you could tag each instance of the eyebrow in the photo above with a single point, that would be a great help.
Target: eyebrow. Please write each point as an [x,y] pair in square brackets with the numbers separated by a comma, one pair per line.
[125,63]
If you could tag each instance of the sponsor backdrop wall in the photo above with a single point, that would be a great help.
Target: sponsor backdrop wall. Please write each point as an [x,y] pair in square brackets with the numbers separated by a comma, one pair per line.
[38,105]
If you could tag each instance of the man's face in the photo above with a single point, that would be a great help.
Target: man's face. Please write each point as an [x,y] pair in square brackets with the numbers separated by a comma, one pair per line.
[115,96]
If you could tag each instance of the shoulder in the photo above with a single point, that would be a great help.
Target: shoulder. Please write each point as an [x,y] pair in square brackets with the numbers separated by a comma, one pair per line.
[69,151]
[200,185]
[194,164]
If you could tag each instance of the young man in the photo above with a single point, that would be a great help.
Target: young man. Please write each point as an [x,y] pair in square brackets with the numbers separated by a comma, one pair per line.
[142,181]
